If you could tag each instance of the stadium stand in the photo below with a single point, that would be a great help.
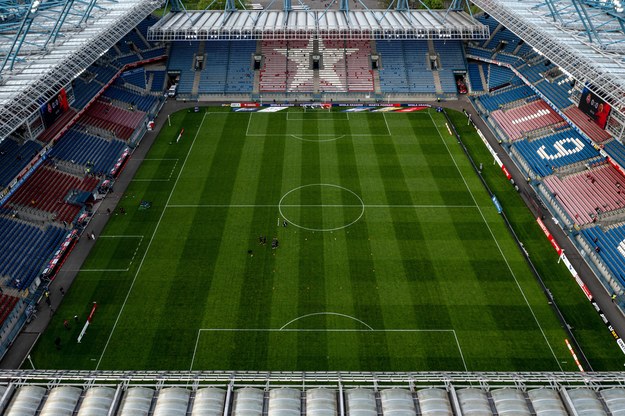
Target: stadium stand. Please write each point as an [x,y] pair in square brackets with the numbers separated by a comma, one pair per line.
[25,248]
[154,53]
[503,97]
[82,148]
[14,157]
[7,304]
[84,91]
[56,128]
[299,73]
[611,244]
[135,77]
[499,76]
[48,190]
[556,150]
[158,80]
[272,76]
[588,126]
[502,39]
[518,121]
[509,59]
[213,75]
[451,59]
[556,93]
[130,99]
[585,195]
[240,78]
[479,52]
[180,59]
[333,78]
[359,74]
[109,118]
[616,150]
[405,67]
[474,77]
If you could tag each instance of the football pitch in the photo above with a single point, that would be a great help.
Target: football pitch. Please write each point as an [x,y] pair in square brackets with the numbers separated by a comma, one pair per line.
[391,255]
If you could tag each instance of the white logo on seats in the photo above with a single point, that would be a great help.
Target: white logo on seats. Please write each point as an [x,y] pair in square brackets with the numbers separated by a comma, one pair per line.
[621,248]
[562,151]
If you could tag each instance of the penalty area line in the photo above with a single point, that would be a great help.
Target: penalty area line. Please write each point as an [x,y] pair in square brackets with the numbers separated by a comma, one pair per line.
[171,193]
[305,330]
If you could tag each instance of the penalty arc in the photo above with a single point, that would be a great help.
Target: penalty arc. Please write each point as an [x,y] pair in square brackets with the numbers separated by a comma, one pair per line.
[84,328]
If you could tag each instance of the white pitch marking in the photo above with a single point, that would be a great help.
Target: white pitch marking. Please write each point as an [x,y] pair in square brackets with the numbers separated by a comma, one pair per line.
[316,206]
[199,332]
[325,313]
[386,122]
[497,244]
[150,243]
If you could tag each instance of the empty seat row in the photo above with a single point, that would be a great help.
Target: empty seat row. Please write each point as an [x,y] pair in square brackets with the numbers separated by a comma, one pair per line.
[554,151]
[47,190]
[611,244]
[24,248]
[82,148]
[14,157]
[519,121]
[587,194]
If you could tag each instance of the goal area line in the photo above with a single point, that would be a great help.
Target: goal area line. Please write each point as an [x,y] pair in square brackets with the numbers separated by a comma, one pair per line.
[326,330]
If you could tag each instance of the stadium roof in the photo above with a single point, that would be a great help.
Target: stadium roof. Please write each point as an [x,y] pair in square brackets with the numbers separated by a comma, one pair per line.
[565,40]
[237,393]
[38,74]
[302,24]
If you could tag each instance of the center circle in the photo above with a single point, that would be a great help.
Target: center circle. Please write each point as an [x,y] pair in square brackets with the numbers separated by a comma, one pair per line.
[321,207]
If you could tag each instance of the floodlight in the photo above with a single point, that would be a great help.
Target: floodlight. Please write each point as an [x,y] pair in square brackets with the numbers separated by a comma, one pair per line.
[35,6]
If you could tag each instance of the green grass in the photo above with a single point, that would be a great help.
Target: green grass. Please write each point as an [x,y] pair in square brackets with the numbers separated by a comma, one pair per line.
[416,270]
[589,330]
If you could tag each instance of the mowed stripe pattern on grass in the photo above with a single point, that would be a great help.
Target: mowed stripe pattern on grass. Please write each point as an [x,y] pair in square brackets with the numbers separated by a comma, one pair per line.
[420,259]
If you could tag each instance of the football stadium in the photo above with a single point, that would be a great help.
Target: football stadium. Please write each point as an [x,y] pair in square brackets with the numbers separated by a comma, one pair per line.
[345,208]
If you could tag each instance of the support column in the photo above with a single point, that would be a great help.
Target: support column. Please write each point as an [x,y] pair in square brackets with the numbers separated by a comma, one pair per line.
[402,5]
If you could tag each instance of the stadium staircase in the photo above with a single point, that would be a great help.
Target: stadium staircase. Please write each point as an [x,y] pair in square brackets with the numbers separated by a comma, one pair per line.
[435,74]
[198,74]
[437,82]
[376,73]
[483,77]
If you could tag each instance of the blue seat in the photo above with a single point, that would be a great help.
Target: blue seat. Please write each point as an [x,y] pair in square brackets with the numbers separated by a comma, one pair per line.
[557,150]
